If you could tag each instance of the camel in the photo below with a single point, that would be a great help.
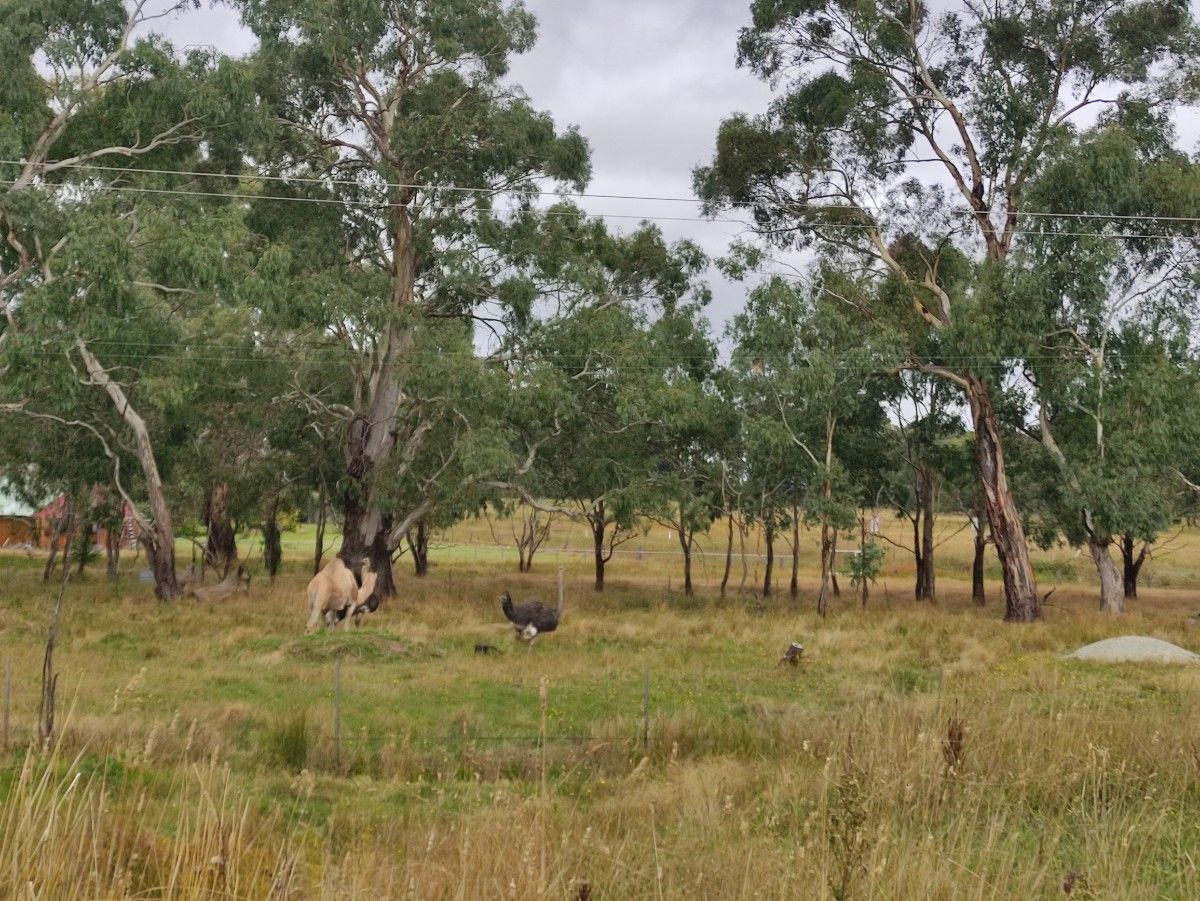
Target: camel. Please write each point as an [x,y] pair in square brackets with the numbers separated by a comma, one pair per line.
[336,594]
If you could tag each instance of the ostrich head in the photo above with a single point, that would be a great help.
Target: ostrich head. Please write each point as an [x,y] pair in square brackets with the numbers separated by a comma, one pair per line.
[506,603]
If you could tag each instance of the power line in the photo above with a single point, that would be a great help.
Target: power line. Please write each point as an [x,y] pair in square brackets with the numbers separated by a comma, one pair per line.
[848,362]
[650,218]
[368,204]
[349,182]
[649,198]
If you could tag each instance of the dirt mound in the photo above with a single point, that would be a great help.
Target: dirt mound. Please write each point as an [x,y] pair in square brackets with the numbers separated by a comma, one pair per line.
[1134,649]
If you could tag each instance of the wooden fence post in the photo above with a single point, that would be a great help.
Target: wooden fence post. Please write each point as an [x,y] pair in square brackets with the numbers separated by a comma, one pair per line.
[7,696]
[646,710]
[337,713]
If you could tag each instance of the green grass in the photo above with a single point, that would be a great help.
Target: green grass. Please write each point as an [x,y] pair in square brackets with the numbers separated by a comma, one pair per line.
[202,731]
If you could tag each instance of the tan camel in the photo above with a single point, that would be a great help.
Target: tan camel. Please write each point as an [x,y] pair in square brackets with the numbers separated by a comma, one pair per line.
[334,594]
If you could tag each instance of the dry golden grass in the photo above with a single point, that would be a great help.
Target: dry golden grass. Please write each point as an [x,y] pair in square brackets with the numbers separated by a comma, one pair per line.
[918,751]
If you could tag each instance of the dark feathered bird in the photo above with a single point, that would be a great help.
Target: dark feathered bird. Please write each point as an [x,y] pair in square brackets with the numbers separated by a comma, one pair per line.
[532,618]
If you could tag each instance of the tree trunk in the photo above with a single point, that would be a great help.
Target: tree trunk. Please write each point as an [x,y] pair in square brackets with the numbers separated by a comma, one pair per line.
[1021,600]
[862,557]
[685,544]
[112,549]
[1112,598]
[1132,565]
[769,538]
[534,531]
[598,523]
[827,552]
[220,549]
[272,547]
[56,531]
[84,547]
[524,544]
[319,549]
[68,538]
[923,533]
[418,546]
[977,591]
[728,557]
[371,435]
[743,526]
[833,579]
[794,585]
[159,539]
[162,566]
[380,556]
[360,522]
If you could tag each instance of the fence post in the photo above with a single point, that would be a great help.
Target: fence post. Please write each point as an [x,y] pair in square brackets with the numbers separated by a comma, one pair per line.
[7,696]
[646,710]
[337,713]
[543,703]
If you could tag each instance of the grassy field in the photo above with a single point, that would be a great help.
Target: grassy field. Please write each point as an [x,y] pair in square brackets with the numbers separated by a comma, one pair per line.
[918,751]
[653,557]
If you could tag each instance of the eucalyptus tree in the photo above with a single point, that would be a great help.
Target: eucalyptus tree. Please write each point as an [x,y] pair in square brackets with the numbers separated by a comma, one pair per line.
[925,422]
[731,458]
[144,404]
[615,358]
[946,117]
[595,469]
[814,399]
[95,263]
[396,115]
[1117,307]
[696,426]
[962,492]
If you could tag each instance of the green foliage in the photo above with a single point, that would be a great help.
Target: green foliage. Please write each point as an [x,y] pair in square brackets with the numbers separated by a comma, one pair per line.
[1114,369]
[810,406]
[288,519]
[866,564]
[83,551]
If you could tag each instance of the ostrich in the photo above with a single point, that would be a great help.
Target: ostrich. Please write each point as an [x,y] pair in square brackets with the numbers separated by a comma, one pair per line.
[531,619]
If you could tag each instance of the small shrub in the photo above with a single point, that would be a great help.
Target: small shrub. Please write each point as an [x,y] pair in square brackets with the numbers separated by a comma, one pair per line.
[288,520]
[847,827]
[908,679]
[954,744]
[288,742]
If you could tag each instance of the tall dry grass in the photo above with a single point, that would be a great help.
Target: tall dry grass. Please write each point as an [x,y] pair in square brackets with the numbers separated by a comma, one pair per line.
[64,834]
[898,800]
[916,752]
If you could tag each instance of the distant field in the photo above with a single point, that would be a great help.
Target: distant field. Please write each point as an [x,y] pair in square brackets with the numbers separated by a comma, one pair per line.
[654,556]
[918,752]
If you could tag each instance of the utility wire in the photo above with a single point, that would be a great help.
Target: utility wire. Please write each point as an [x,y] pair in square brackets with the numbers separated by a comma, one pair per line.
[843,226]
[362,204]
[845,363]
[552,357]
[650,198]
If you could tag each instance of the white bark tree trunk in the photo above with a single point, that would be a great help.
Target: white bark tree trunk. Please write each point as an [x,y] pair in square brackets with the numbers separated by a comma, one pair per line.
[159,539]
[1112,593]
